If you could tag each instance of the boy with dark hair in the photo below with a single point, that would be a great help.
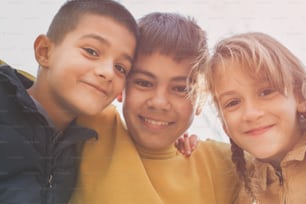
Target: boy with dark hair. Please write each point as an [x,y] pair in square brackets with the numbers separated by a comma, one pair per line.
[137,163]
[83,63]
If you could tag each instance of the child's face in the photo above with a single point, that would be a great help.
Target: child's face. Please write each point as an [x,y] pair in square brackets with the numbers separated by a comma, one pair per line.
[156,109]
[87,70]
[258,118]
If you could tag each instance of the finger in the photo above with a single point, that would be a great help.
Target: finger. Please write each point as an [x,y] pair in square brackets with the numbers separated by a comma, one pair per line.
[194,141]
[179,144]
[187,145]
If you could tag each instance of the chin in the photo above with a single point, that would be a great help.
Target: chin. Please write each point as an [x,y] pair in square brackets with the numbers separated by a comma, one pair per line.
[264,156]
[92,111]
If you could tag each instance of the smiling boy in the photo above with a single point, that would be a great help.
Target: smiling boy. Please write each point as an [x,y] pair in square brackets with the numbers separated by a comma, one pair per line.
[161,112]
[83,63]
[137,163]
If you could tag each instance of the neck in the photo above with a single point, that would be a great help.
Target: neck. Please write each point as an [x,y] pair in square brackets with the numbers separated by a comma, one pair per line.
[60,116]
[164,153]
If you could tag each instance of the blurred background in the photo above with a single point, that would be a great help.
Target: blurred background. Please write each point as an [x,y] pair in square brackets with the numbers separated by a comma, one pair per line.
[21,21]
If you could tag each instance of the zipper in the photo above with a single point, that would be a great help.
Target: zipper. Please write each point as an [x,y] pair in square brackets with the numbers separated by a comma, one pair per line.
[280,176]
[55,138]
[50,181]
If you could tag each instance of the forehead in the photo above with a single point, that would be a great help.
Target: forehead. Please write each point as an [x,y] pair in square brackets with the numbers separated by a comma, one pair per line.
[161,66]
[231,74]
[107,31]
[232,67]
[98,21]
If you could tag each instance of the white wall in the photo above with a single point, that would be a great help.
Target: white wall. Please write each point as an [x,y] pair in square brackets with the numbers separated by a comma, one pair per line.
[21,21]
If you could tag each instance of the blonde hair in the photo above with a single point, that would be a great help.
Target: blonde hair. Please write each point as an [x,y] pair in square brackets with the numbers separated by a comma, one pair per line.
[263,58]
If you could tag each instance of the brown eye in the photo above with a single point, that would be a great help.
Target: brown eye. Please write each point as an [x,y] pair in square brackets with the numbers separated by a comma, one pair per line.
[122,69]
[91,51]
[180,89]
[232,103]
[266,92]
[143,83]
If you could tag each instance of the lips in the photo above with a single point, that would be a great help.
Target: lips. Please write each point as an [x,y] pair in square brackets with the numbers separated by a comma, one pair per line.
[155,122]
[259,130]
[96,87]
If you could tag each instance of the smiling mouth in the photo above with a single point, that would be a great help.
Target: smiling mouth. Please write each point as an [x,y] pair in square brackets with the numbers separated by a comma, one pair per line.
[97,88]
[155,122]
[259,131]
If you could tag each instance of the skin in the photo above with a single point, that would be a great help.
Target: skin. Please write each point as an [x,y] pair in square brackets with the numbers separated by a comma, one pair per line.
[155,106]
[85,71]
[260,119]
[186,144]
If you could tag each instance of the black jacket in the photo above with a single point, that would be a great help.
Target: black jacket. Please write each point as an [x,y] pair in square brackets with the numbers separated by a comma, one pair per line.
[37,165]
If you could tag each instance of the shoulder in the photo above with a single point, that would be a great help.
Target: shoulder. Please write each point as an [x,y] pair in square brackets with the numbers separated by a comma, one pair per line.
[2,62]
[105,118]
[213,152]
[215,160]
[106,123]
[213,146]
[18,78]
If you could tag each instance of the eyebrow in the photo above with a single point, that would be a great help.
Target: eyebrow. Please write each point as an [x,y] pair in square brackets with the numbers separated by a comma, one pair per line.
[98,38]
[224,94]
[149,74]
[180,78]
[107,43]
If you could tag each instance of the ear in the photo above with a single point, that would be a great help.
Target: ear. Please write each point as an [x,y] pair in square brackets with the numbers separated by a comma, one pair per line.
[42,47]
[119,98]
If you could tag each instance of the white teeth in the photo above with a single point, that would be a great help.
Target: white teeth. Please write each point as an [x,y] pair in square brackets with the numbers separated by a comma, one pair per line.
[154,122]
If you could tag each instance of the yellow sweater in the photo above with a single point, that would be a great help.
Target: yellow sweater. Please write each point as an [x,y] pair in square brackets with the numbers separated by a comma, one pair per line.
[114,171]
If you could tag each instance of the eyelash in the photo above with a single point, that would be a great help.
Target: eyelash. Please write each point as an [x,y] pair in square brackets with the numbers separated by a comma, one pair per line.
[181,89]
[94,53]
[231,103]
[178,90]
[143,83]
[262,93]
[122,69]
[91,51]
[266,91]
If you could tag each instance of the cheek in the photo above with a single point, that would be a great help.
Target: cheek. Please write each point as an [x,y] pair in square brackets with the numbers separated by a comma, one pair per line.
[286,111]
[187,112]
[132,100]
[129,94]
[229,123]
[119,85]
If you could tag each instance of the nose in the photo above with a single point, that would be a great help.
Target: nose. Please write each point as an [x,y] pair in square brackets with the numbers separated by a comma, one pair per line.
[105,70]
[252,111]
[159,100]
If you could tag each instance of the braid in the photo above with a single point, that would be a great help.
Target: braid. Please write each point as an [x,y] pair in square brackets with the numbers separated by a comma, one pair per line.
[240,163]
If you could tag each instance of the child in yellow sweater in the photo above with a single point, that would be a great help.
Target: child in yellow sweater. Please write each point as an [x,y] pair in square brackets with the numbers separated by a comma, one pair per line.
[137,163]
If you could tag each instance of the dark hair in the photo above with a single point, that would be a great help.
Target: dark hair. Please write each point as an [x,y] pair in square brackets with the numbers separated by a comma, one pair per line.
[171,34]
[68,16]
[176,36]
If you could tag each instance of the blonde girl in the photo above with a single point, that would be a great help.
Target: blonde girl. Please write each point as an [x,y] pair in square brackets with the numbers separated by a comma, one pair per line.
[258,87]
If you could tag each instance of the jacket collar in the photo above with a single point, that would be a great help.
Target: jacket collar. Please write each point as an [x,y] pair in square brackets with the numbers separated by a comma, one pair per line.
[73,134]
[265,174]
[20,83]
